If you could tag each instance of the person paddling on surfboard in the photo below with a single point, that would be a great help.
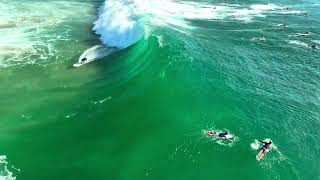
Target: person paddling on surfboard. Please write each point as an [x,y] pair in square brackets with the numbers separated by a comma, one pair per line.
[224,135]
[264,149]
[313,46]
[307,33]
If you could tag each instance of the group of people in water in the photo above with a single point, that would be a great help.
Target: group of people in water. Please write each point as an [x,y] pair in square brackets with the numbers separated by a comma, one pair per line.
[265,146]
[307,33]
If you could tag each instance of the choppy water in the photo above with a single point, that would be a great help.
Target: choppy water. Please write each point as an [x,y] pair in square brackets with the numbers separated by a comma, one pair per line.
[139,113]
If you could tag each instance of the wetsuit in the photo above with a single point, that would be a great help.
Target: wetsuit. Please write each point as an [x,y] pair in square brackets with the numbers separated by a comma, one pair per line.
[223,134]
[266,146]
[83,60]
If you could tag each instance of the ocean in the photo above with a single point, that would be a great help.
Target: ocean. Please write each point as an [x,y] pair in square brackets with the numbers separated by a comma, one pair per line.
[246,67]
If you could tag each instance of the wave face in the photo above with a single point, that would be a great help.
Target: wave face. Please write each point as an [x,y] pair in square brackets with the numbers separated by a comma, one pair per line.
[118,25]
[33,37]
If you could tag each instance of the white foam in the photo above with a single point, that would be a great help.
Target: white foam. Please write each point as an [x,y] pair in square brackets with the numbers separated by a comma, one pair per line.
[258,38]
[265,7]
[118,25]
[316,41]
[103,100]
[256,144]
[5,173]
[296,42]
[160,40]
[121,23]
[23,27]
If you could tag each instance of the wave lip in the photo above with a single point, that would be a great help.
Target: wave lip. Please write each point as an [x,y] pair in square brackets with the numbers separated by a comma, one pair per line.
[118,24]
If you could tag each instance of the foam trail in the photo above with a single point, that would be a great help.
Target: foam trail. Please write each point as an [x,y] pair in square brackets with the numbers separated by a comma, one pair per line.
[255,145]
[298,43]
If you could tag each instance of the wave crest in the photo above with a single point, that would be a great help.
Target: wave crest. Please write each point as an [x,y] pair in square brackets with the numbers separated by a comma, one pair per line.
[118,24]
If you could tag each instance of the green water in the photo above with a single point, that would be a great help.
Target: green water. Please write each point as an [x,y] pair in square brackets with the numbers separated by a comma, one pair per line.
[139,113]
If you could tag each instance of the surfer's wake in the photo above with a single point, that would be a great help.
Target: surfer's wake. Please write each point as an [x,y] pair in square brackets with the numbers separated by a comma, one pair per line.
[95,53]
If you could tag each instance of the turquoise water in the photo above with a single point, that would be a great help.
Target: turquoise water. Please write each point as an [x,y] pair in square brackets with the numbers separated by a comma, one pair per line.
[140,112]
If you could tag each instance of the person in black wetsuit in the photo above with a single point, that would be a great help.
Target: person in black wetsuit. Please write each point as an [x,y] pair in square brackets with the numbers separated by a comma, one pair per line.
[313,46]
[306,33]
[223,135]
[216,134]
[83,60]
[305,14]
[265,147]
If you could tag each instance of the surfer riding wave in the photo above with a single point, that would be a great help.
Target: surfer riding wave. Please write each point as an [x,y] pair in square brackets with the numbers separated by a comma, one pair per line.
[122,23]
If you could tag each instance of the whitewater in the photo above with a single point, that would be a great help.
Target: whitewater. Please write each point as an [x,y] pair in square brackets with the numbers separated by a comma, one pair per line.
[168,70]
[122,23]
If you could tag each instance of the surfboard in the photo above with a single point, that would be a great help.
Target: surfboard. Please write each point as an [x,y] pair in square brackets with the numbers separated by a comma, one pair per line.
[229,136]
[259,157]
[95,53]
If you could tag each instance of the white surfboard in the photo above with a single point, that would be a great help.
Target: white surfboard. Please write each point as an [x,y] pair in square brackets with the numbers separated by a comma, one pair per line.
[94,53]
[229,136]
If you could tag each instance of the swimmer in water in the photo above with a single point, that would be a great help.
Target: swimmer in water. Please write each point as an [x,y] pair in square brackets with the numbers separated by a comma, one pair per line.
[264,149]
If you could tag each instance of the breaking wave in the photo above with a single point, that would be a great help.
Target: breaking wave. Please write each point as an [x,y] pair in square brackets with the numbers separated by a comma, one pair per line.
[122,23]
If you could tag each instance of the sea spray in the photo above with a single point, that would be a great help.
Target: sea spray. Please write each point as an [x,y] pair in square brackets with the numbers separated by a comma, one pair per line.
[122,23]
[118,24]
